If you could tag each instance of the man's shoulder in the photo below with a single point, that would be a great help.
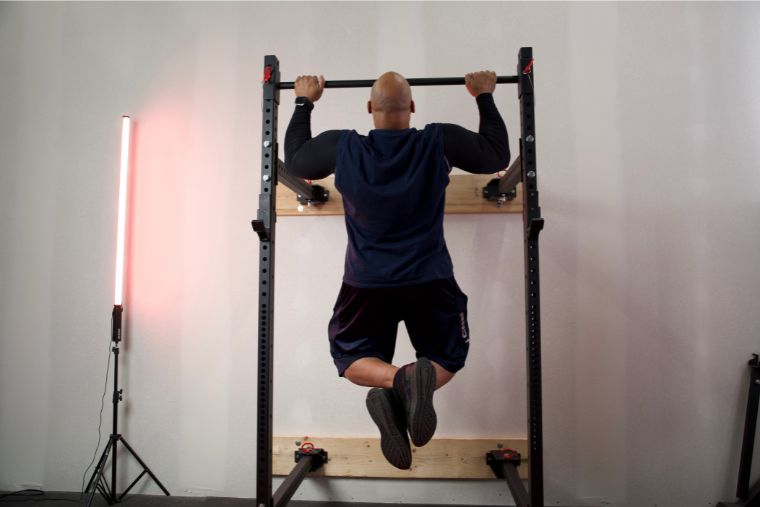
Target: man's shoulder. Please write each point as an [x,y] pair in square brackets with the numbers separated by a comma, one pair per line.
[350,133]
[432,129]
[345,134]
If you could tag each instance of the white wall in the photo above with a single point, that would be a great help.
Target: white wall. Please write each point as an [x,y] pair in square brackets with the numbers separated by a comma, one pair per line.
[647,118]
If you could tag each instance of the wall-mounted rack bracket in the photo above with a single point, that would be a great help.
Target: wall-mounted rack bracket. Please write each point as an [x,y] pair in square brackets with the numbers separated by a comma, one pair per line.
[306,193]
[319,457]
[504,463]
[504,189]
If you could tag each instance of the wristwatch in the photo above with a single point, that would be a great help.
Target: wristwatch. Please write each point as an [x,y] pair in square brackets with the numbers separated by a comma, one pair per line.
[303,101]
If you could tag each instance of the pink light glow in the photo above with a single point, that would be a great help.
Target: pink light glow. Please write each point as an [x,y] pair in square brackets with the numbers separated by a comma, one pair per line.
[126,124]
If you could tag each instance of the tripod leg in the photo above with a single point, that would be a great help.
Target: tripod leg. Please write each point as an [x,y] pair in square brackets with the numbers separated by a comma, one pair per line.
[100,464]
[97,467]
[98,474]
[137,479]
[105,489]
[145,468]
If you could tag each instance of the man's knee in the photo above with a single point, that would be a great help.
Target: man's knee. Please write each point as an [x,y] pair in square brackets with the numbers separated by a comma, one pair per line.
[370,372]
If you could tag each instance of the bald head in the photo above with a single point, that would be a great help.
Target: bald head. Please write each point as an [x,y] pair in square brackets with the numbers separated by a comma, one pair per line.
[391,93]
[391,101]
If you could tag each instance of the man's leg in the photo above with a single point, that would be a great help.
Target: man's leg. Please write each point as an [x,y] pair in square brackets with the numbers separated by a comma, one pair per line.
[383,406]
[364,323]
[374,372]
[371,372]
[435,314]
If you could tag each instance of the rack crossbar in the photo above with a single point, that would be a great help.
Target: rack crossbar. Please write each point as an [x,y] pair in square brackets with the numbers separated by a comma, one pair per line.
[297,185]
[515,485]
[422,81]
[289,486]
[512,177]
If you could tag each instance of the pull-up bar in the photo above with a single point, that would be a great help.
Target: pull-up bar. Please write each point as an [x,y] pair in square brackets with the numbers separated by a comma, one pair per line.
[422,81]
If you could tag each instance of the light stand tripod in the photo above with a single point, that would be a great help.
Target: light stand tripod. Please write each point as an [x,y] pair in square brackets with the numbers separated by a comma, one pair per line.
[98,481]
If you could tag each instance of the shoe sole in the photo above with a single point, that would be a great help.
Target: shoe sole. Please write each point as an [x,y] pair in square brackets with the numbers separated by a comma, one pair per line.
[421,418]
[393,441]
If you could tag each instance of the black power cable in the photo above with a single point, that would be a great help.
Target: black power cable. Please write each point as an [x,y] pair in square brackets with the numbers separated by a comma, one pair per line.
[32,495]
[100,420]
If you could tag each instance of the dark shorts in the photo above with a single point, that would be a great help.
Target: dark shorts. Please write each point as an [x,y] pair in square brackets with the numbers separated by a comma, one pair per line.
[365,321]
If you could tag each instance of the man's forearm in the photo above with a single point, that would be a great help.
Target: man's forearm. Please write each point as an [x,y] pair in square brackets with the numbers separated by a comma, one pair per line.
[299,129]
[492,126]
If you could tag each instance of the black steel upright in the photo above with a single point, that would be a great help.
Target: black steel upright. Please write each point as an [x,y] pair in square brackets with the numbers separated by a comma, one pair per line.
[750,426]
[264,225]
[748,496]
[504,462]
[532,225]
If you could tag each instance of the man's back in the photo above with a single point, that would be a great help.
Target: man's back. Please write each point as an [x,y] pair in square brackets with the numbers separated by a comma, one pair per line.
[393,184]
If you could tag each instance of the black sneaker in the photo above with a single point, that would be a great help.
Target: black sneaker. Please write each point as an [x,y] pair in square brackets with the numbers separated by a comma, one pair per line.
[414,385]
[389,416]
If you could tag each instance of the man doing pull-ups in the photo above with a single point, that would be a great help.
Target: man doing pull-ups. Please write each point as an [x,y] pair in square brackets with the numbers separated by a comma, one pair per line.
[397,267]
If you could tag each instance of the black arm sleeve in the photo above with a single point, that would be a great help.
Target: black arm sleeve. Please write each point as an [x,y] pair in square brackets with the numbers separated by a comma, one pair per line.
[482,153]
[305,157]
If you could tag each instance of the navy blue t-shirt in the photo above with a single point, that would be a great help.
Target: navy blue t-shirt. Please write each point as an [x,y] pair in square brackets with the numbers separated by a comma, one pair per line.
[393,184]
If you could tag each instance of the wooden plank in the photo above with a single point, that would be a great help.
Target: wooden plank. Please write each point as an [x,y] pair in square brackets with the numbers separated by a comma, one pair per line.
[441,458]
[463,195]
[287,204]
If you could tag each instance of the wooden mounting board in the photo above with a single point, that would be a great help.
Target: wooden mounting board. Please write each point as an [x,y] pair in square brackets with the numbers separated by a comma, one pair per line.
[463,195]
[361,457]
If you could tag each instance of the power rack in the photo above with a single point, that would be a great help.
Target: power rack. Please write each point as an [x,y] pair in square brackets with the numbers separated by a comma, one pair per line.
[504,462]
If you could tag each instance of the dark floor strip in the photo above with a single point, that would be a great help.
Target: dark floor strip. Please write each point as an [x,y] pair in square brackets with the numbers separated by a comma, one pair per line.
[67,499]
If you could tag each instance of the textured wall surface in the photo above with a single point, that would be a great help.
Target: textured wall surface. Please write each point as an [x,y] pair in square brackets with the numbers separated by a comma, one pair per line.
[647,118]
